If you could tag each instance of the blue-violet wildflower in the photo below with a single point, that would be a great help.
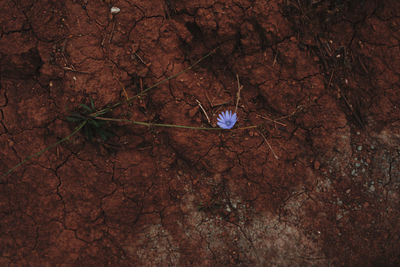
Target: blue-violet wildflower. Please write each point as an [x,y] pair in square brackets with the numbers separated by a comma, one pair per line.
[226,120]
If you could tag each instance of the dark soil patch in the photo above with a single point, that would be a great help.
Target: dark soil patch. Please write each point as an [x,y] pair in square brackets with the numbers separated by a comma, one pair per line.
[321,77]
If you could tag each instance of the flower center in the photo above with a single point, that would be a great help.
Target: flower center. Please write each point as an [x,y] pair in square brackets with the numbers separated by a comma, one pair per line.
[228,123]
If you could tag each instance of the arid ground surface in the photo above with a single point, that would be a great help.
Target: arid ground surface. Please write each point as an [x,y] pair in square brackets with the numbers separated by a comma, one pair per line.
[316,184]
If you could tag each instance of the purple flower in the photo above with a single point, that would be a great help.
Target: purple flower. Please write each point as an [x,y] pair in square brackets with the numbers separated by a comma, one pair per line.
[226,120]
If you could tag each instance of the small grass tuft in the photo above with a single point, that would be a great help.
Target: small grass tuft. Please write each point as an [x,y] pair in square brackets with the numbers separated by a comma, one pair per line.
[94,129]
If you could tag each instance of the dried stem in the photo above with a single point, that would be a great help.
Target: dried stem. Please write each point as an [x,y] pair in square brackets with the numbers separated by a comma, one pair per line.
[204,111]
[37,154]
[238,92]
[270,147]
[171,125]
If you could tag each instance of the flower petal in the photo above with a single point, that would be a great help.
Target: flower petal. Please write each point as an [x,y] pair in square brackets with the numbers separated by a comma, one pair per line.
[222,116]
[221,125]
[227,119]
[234,118]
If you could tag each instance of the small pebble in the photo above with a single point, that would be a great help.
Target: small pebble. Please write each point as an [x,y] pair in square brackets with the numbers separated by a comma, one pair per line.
[372,188]
[359,148]
[115,10]
[357,164]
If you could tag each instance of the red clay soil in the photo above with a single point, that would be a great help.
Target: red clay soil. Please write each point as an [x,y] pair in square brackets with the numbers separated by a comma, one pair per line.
[320,77]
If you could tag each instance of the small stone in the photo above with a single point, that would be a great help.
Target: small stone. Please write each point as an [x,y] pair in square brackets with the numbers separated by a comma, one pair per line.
[359,148]
[115,10]
[358,164]
[372,188]
[348,191]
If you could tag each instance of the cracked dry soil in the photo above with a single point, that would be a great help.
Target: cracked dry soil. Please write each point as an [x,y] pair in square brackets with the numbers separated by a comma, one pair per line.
[321,77]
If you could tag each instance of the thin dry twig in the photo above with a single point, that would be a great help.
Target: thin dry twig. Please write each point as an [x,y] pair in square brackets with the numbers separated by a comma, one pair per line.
[275,57]
[141,60]
[74,70]
[123,89]
[238,92]
[112,33]
[330,79]
[204,111]
[270,147]
[299,108]
[350,106]
[274,121]
[363,65]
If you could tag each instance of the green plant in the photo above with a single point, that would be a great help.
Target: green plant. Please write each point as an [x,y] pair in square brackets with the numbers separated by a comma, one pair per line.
[93,128]
[93,123]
